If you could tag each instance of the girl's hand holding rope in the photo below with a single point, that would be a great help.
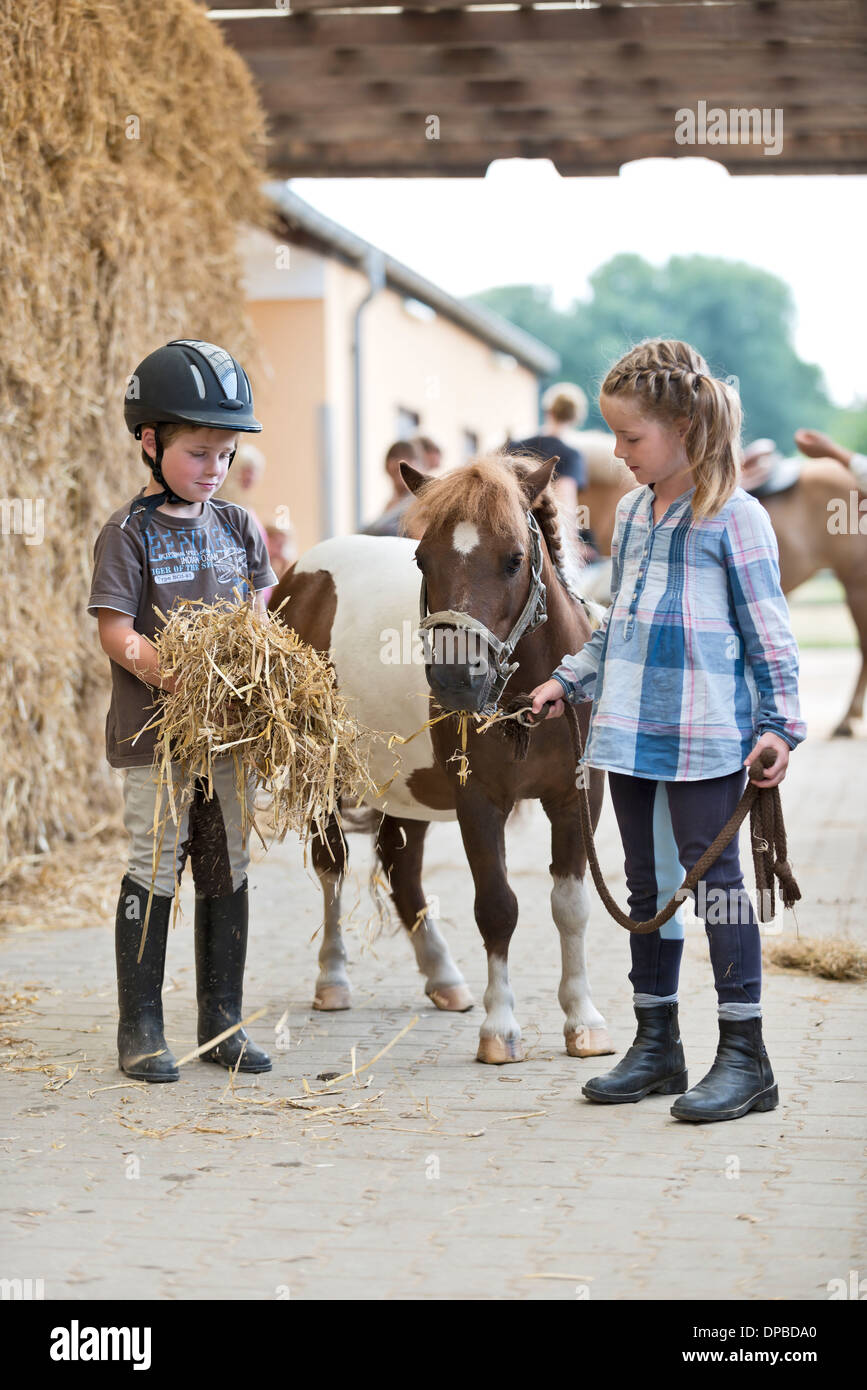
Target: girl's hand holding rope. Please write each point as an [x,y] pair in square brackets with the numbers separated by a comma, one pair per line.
[777,770]
[548,693]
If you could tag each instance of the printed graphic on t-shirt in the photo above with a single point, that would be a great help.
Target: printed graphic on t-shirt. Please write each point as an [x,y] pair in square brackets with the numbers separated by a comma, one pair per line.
[176,557]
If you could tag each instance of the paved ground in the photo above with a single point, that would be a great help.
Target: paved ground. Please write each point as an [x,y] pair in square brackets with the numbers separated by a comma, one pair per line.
[431,1176]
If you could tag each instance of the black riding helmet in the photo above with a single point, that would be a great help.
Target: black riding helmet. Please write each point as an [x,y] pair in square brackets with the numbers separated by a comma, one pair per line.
[187,382]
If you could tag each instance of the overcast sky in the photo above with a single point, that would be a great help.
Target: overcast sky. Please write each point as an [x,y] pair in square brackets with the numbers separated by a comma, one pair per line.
[523,224]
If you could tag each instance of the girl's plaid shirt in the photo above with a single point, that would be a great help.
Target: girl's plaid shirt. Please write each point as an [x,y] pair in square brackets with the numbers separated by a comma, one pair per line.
[696,656]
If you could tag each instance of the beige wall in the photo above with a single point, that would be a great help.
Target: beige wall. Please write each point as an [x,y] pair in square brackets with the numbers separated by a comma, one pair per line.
[449,378]
[291,335]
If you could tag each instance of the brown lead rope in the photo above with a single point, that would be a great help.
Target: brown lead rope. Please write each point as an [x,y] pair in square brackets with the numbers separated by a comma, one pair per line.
[767,831]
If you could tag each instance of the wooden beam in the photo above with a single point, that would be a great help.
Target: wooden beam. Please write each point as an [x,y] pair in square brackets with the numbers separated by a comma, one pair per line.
[297,6]
[732,87]
[311,6]
[840,151]
[795,21]
[494,123]
[814,65]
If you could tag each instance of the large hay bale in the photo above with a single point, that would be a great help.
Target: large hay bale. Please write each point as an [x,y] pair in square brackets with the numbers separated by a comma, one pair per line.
[132,149]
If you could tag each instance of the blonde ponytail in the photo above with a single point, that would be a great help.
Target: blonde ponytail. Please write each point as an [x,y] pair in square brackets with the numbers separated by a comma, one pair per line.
[670,381]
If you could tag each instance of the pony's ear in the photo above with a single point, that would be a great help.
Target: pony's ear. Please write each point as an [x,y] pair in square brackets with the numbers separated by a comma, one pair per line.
[535,483]
[412,477]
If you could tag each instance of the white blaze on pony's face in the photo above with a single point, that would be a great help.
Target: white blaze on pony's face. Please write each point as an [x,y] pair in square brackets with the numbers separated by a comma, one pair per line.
[465,537]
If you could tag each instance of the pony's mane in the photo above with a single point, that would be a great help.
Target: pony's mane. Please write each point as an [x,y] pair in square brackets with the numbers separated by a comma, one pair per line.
[487,492]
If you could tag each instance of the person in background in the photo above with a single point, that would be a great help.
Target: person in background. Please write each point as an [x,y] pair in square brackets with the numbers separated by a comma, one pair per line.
[820,446]
[429,452]
[282,548]
[388,521]
[565,408]
[249,466]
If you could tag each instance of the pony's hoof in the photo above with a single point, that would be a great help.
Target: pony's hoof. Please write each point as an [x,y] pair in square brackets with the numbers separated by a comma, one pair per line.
[453,998]
[588,1042]
[499,1050]
[844,730]
[332,997]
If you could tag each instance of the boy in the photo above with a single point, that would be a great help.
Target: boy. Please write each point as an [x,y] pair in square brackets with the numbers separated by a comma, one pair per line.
[187,402]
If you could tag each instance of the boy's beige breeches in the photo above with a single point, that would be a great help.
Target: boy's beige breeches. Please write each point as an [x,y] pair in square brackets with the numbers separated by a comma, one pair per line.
[209,833]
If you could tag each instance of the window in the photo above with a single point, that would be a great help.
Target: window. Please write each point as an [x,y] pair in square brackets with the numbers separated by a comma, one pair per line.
[408,422]
[417,310]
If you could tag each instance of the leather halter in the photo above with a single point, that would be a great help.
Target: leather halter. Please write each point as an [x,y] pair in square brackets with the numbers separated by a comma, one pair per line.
[533,614]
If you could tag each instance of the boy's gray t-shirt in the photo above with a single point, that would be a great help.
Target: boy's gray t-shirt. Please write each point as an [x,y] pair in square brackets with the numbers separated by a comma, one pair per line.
[202,557]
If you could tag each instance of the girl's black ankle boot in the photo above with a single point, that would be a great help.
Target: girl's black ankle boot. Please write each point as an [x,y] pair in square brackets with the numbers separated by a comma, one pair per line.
[740,1079]
[654,1063]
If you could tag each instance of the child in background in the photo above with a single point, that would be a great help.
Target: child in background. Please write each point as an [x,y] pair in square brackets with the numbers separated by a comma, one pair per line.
[692,674]
[187,402]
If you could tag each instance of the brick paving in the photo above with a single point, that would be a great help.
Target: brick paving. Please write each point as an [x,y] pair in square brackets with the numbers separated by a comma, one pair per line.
[431,1176]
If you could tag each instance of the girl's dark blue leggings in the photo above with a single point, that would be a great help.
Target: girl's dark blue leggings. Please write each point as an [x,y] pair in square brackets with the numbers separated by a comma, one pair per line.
[698,811]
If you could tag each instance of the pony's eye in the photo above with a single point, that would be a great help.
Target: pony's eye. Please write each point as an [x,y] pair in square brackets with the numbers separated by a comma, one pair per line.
[513,563]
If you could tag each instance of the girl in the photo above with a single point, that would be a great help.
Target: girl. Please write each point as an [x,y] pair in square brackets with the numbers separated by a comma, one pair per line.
[692,674]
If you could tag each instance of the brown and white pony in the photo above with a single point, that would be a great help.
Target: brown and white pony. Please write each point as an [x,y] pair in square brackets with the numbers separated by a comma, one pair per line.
[356,598]
[805,521]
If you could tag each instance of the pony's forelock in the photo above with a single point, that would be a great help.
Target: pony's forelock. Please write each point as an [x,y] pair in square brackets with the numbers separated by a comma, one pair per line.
[486,492]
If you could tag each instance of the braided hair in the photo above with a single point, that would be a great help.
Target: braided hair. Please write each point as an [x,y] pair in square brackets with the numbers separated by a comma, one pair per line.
[670,381]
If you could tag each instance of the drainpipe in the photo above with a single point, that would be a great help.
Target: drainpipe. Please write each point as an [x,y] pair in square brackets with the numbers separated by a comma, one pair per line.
[374,268]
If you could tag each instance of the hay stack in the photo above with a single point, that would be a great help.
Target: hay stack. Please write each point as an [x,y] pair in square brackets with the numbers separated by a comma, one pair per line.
[132,149]
[250,688]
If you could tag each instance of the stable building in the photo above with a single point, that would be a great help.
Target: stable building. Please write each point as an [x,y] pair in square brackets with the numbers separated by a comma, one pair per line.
[357,350]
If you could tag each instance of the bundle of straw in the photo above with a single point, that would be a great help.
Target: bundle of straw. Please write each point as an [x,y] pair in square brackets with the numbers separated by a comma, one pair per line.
[830,957]
[248,686]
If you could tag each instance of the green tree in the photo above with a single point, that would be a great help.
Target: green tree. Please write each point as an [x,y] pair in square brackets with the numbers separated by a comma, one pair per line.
[739,317]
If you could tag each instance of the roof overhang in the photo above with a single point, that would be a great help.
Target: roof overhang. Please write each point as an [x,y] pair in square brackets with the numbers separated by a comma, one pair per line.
[421,92]
[309,227]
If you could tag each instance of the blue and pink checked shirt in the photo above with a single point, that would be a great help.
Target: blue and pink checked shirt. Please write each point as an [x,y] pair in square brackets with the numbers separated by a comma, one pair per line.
[696,657]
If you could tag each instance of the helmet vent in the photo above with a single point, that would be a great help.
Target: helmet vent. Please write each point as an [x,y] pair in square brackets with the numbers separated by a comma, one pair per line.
[221,362]
[199,380]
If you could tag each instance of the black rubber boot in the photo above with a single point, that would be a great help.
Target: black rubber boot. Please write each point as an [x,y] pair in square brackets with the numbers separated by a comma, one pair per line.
[141,1046]
[654,1062]
[740,1079]
[221,950]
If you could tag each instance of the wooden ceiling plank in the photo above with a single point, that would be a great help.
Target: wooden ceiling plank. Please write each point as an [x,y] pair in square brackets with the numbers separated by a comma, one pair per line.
[838,21]
[297,6]
[495,123]
[437,94]
[846,154]
[562,61]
